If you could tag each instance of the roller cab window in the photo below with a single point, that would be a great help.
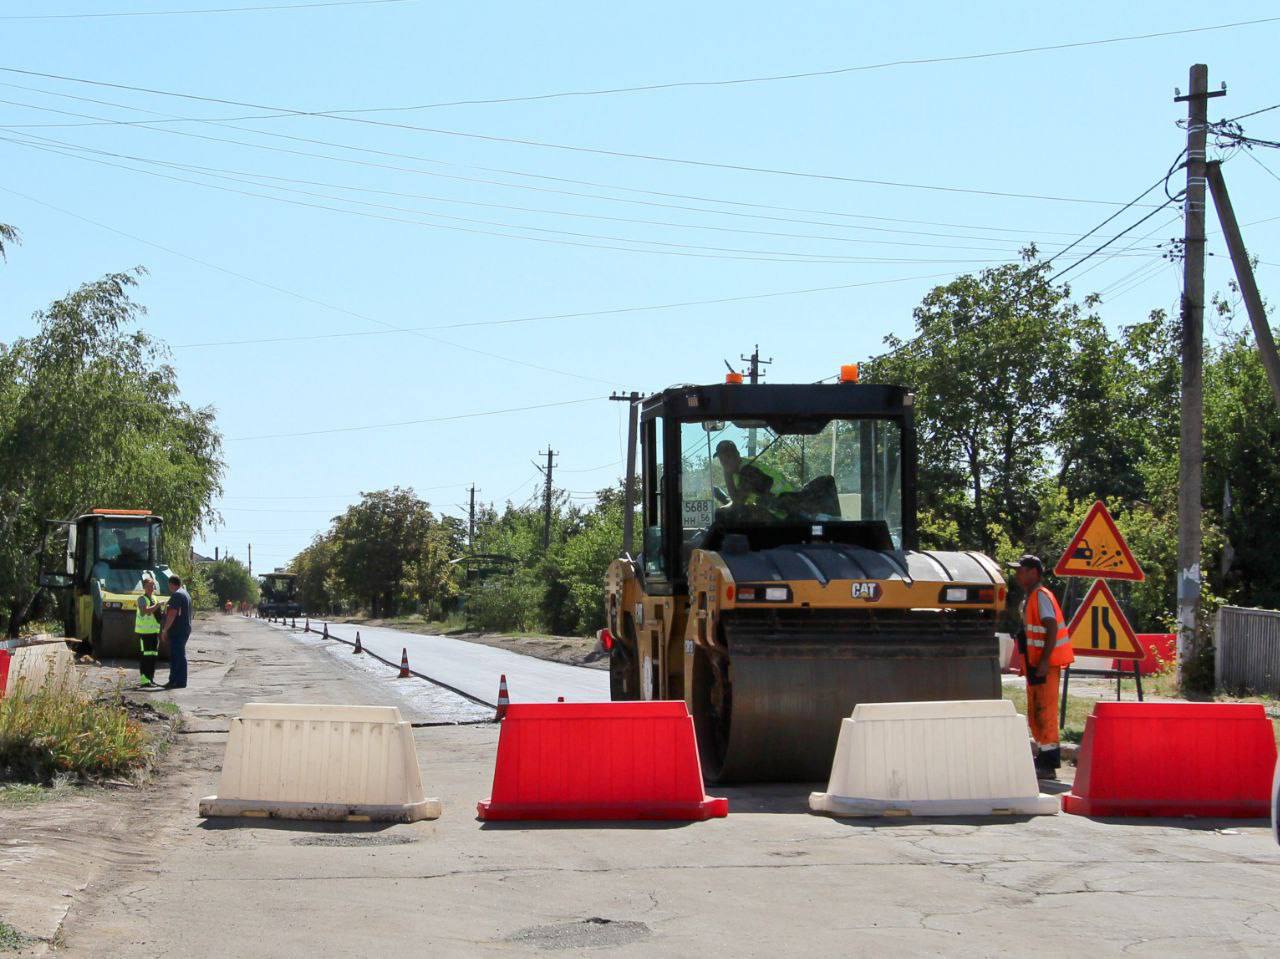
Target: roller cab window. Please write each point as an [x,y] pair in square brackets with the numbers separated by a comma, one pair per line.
[757,475]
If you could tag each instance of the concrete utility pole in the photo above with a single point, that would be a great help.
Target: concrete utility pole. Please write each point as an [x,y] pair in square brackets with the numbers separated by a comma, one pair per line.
[1191,446]
[632,400]
[215,554]
[471,520]
[754,373]
[250,559]
[550,454]
[1244,276]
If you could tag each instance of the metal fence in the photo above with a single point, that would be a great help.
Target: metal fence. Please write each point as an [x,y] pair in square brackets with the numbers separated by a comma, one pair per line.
[1246,654]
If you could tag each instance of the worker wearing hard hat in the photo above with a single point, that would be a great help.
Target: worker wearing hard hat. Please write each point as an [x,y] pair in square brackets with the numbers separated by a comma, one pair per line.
[1046,645]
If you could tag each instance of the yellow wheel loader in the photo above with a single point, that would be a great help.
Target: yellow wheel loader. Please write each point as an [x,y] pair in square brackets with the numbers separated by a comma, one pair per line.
[778,582]
[105,554]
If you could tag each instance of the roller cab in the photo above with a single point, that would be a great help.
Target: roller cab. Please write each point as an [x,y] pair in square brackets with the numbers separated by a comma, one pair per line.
[98,560]
[777,583]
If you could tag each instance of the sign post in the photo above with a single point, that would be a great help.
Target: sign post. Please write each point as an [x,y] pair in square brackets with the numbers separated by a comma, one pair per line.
[1099,627]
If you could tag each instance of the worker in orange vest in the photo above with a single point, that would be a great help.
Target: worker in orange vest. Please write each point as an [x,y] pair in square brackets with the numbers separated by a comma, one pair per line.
[1046,646]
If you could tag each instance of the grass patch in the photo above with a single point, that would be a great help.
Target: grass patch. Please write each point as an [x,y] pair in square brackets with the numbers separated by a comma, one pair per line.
[170,709]
[55,732]
[10,939]
[1078,710]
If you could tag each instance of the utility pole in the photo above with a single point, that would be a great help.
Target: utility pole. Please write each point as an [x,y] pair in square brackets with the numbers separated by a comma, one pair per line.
[550,454]
[471,520]
[754,373]
[1191,443]
[1244,276]
[632,400]
[215,554]
[250,559]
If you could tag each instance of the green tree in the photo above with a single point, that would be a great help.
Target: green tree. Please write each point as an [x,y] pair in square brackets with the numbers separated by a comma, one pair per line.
[319,588]
[230,581]
[431,577]
[91,415]
[375,540]
[991,362]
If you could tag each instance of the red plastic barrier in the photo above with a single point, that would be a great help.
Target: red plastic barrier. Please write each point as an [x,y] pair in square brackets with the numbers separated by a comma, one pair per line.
[1017,664]
[579,761]
[1160,647]
[4,670]
[1174,759]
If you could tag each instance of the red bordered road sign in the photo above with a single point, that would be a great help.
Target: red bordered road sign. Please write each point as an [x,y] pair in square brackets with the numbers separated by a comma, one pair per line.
[1099,551]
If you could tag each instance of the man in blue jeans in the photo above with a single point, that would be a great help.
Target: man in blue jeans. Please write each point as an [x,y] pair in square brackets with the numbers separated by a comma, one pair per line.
[177,626]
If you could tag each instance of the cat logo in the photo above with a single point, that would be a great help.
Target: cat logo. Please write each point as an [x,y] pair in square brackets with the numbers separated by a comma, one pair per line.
[870,592]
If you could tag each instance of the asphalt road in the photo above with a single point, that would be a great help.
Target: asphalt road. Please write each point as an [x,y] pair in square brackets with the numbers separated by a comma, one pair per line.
[474,669]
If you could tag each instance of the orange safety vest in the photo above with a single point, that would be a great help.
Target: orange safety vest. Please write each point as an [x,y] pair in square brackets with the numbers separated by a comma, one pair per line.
[1061,653]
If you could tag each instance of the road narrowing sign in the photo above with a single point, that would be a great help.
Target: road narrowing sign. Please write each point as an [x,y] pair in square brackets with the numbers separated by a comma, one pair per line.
[1098,550]
[1099,628]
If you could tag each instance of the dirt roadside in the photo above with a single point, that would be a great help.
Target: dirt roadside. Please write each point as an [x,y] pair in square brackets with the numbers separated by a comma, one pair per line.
[771,880]
[571,650]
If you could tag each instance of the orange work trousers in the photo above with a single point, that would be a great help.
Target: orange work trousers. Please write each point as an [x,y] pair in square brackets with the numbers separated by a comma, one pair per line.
[1042,707]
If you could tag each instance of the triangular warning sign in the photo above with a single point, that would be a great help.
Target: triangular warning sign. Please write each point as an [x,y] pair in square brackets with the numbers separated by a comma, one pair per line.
[1098,550]
[1099,628]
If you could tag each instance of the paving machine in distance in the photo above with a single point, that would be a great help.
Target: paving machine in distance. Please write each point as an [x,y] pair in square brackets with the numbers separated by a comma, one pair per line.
[106,553]
[279,595]
[779,582]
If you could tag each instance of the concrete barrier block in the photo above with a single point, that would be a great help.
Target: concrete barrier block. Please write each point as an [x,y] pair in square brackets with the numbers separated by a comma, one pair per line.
[48,665]
[335,763]
[963,758]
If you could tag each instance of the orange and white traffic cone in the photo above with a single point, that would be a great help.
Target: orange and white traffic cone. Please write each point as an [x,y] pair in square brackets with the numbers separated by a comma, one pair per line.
[504,700]
[326,631]
[359,648]
[307,628]
[294,623]
[404,664]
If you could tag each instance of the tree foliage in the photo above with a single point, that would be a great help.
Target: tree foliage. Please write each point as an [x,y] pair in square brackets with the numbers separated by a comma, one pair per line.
[91,415]
[230,581]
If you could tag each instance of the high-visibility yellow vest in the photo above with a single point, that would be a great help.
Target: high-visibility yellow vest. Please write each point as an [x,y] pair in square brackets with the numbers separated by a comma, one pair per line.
[1059,645]
[145,621]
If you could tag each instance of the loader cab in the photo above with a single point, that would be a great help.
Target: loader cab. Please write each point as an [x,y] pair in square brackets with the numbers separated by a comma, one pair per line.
[279,595]
[739,467]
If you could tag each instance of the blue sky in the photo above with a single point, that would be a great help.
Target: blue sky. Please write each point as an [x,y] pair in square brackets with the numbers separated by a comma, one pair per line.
[466,230]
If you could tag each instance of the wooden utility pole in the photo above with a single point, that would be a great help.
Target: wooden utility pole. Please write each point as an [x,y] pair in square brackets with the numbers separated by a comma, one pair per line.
[632,400]
[1244,276]
[1191,445]
[471,520]
[754,373]
[550,454]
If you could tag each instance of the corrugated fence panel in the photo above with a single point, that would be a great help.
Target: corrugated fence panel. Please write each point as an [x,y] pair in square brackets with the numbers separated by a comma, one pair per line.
[1247,650]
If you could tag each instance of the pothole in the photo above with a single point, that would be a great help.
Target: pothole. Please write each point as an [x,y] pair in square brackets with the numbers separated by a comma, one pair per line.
[595,932]
[354,839]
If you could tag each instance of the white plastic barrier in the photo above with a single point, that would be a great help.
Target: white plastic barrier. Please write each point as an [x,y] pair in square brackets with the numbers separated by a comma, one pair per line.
[1007,645]
[47,665]
[965,758]
[333,763]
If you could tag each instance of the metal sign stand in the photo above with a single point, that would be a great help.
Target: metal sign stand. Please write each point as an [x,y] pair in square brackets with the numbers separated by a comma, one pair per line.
[1119,674]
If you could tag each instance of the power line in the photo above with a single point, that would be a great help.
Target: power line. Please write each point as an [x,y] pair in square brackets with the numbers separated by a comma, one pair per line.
[432,419]
[1117,213]
[149,125]
[684,250]
[1254,113]
[1099,249]
[276,112]
[1271,173]
[182,13]
[781,255]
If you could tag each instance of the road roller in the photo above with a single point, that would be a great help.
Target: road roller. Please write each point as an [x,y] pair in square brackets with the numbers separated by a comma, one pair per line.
[778,580]
[101,557]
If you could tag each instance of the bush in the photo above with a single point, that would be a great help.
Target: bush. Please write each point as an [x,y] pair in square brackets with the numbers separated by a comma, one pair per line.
[54,732]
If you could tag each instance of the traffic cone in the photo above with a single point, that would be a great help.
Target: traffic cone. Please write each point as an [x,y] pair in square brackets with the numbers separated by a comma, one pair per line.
[307,628]
[326,631]
[404,664]
[294,623]
[359,648]
[504,700]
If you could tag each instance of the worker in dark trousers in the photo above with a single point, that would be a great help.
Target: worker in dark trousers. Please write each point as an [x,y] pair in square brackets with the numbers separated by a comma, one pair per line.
[1046,645]
[147,626]
[177,629]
